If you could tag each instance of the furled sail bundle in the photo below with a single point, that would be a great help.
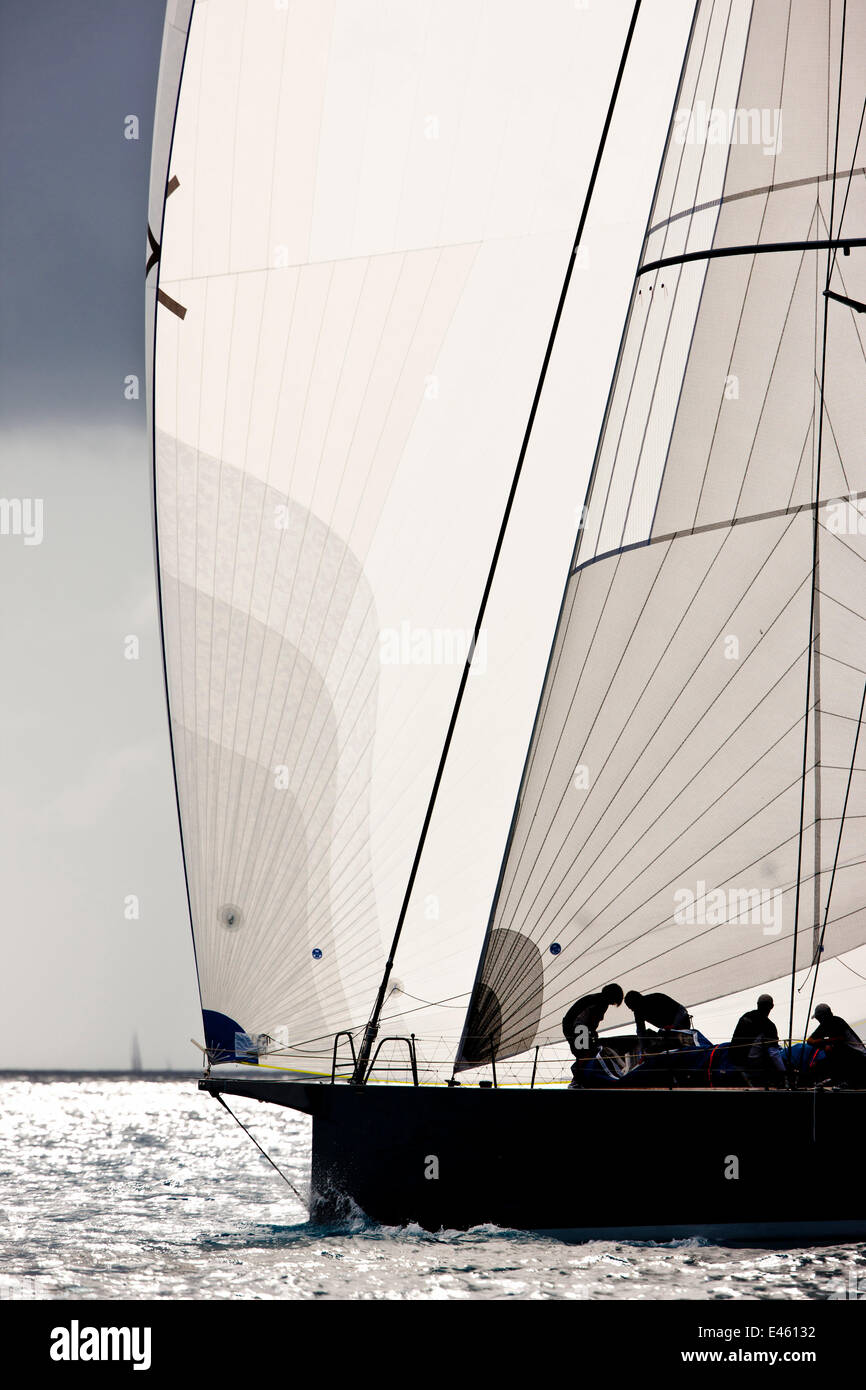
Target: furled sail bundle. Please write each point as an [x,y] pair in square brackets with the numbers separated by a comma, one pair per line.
[360,217]
[680,820]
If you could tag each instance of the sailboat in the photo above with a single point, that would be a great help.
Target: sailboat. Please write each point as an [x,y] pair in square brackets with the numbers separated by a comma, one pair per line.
[363,224]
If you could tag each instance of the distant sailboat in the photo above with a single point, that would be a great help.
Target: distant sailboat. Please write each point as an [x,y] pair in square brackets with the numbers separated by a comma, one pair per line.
[135,1063]
[692,808]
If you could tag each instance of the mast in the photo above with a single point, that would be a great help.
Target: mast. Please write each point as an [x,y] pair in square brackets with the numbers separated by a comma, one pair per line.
[372,1027]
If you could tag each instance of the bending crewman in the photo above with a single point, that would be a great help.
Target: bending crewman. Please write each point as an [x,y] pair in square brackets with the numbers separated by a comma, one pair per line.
[658,1009]
[582,1021]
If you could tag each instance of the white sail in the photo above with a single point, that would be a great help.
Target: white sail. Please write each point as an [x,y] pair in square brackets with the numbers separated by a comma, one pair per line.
[666,816]
[369,212]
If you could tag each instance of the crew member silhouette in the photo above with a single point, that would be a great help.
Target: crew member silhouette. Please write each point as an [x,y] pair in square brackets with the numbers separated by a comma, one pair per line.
[581,1023]
[754,1049]
[844,1053]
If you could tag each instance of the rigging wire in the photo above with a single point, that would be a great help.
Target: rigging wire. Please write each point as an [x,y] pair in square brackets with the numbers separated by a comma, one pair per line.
[285,1179]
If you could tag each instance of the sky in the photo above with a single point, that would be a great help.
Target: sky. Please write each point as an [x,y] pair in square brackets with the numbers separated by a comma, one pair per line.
[88,815]
[97,941]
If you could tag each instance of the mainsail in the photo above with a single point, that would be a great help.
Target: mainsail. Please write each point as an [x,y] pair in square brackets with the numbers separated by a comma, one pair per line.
[680,809]
[359,238]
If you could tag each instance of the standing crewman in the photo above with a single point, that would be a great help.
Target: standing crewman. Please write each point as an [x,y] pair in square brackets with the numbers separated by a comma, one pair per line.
[581,1023]
[844,1053]
[659,1010]
[754,1049]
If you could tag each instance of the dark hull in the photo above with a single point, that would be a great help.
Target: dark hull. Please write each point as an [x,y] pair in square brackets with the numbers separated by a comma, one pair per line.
[640,1163]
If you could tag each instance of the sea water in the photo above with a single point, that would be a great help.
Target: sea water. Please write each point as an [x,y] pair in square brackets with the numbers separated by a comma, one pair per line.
[127,1187]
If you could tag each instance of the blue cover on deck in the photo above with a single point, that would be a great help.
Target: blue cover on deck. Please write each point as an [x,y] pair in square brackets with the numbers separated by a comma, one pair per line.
[704,1065]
